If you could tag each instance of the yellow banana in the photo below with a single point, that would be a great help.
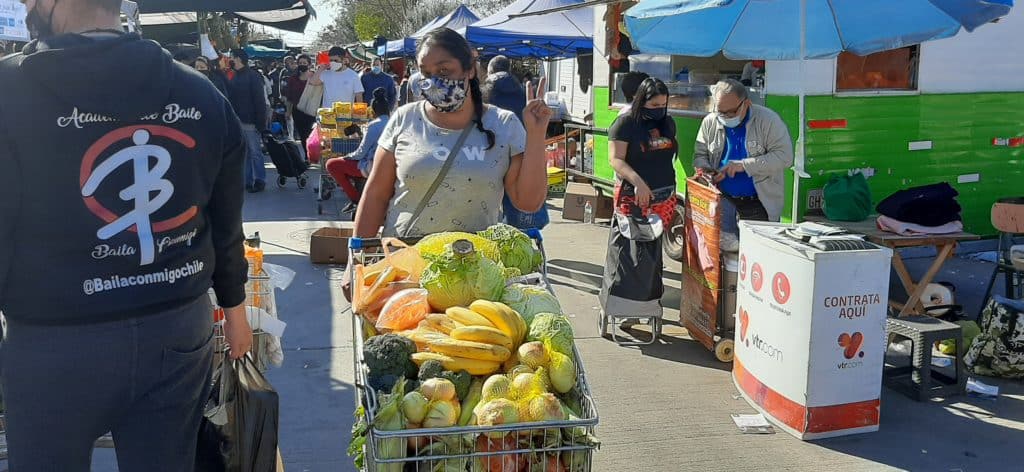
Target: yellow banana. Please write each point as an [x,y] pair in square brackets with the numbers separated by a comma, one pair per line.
[422,335]
[455,364]
[470,349]
[520,322]
[467,317]
[482,334]
[441,322]
[497,317]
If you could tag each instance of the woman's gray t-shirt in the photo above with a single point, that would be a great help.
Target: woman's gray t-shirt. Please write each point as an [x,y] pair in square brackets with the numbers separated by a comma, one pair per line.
[469,198]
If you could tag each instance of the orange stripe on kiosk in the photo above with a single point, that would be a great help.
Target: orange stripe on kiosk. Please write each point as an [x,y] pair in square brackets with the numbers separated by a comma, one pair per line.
[810,343]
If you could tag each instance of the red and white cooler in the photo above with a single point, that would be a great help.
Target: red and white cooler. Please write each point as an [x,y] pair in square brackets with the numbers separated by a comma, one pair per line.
[810,331]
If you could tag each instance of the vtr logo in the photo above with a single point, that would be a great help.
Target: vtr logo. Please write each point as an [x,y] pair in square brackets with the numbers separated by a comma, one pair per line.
[851,344]
[744,324]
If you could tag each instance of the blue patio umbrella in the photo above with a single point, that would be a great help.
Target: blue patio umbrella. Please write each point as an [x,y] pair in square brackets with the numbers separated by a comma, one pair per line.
[800,29]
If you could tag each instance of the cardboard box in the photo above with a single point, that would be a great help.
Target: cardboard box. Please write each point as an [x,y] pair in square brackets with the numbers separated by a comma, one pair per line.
[330,245]
[576,197]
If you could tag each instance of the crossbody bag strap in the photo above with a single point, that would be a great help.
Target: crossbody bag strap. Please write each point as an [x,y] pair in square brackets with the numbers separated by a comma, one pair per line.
[437,181]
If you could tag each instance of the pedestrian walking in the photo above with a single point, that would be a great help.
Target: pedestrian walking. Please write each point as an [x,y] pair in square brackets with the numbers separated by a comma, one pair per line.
[249,98]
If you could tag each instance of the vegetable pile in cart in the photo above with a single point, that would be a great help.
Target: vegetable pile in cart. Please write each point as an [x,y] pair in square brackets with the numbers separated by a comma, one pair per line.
[464,359]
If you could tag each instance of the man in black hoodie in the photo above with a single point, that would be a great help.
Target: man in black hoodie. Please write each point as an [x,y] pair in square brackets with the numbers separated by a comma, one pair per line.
[247,92]
[104,275]
[502,89]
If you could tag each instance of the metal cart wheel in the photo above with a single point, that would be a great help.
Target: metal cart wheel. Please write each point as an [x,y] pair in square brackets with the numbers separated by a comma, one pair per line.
[673,240]
[602,324]
[725,349]
[302,181]
[281,181]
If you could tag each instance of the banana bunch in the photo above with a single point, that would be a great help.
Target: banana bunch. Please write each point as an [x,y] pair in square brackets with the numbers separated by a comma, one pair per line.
[477,339]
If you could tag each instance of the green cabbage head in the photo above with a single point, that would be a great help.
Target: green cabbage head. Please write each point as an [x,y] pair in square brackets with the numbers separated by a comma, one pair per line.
[529,300]
[554,331]
[516,247]
[453,279]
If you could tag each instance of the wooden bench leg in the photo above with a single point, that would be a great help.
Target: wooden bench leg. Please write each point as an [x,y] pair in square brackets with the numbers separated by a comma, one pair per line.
[914,302]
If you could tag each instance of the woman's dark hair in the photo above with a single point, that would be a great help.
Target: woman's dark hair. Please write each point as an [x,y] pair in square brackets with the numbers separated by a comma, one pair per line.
[631,83]
[456,45]
[304,56]
[379,103]
[649,88]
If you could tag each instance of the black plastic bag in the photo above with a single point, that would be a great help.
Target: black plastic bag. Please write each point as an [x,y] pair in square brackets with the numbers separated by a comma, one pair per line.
[239,428]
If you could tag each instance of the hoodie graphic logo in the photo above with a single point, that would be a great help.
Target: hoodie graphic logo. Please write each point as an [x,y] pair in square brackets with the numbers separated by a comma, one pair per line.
[147,179]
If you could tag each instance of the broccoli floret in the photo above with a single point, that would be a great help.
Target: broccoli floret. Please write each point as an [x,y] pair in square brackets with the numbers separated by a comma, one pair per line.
[462,381]
[388,358]
[434,369]
[430,369]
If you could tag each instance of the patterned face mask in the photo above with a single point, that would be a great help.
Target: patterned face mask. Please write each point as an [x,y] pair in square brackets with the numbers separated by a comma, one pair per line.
[447,95]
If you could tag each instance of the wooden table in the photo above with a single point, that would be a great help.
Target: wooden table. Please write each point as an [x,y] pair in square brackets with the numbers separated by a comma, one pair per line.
[945,245]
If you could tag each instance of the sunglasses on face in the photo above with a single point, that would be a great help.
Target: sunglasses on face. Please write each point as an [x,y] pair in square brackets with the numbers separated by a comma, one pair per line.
[733,112]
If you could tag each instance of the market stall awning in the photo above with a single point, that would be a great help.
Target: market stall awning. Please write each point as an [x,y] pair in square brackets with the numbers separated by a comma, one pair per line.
[457,20]
[515,32]
[157,19]
[293,18]
[165,6]
[256,51]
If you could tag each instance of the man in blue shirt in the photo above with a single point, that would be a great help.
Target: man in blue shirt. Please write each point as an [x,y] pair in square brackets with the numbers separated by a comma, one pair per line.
[376,78]
[747,149]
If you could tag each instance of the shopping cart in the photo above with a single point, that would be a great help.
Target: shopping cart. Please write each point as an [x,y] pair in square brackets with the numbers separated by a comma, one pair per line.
[570,442]
[259,297]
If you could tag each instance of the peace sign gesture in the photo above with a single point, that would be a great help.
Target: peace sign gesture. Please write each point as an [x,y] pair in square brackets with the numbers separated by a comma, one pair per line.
[536,115]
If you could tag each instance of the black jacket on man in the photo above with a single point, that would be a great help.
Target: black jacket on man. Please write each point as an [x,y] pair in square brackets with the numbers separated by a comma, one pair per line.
[248,96]
[141,209]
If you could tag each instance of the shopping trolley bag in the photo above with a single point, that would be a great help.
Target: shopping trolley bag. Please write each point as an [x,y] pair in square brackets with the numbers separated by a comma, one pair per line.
[239,428]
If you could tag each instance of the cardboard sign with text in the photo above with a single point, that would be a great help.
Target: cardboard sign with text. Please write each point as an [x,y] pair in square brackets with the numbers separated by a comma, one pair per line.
[701,267]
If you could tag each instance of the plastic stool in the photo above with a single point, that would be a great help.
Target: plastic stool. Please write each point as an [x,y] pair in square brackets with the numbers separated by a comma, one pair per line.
[918,380]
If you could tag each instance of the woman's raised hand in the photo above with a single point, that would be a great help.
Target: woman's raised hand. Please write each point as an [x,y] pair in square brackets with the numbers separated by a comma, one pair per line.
[536,115]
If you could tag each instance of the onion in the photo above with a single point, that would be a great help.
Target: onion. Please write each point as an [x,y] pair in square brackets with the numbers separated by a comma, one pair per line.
[414,406]
[533,354]
[437,389]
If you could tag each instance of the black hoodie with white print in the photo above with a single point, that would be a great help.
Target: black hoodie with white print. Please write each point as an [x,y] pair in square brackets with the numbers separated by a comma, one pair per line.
[121,183]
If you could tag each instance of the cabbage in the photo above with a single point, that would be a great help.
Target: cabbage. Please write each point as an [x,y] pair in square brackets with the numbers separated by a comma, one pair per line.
[554,331]
[529,300]
[461,276]
[516,248]
[436,244]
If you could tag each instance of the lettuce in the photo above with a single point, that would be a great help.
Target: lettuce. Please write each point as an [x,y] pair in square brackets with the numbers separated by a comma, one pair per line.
[529,300]
[460,275]
[554,330]
[516,247]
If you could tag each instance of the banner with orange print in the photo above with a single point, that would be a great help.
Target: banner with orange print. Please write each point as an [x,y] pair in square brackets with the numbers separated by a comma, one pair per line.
[701,264]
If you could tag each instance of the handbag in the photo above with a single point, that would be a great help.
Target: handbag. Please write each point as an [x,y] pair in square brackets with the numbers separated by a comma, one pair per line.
[847,197]
[312,97]
[437,181]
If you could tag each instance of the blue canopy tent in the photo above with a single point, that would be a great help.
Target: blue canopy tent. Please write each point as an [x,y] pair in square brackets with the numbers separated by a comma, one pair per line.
[256,51]
[518,31]
[457,19]
[800,30]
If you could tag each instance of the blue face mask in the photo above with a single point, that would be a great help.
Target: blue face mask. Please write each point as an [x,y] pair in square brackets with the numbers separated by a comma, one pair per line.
[375,69]
[446,95]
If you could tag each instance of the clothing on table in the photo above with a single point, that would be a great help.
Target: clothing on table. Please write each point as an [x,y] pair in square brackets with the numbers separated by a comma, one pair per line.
[249,98]
[340,86]
[892,225]
[927,205]
[372,81]
[769,154]
[651,147]
[343,171]
[255,159]
[504,91]
[131,101]
[469,198]
[741,184]
[143,379]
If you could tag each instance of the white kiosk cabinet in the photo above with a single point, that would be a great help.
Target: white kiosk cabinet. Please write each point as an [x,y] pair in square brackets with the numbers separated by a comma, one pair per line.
[810,332]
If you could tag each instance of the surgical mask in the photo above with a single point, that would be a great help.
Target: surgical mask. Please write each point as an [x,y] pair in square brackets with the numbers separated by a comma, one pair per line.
[37,27]
[336,65]
[730,122]
[446,95]
[375,69]
[653,114]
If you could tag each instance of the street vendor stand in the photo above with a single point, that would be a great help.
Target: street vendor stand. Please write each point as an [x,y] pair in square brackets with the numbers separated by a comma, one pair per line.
[944,244]
[572,431]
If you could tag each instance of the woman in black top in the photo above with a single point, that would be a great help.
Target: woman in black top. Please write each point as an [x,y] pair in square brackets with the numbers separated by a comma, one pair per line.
[641,146]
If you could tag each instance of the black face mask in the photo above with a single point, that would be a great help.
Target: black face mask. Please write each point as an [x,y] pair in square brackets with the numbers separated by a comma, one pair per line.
[303,69]
[39,28]
[653,114]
